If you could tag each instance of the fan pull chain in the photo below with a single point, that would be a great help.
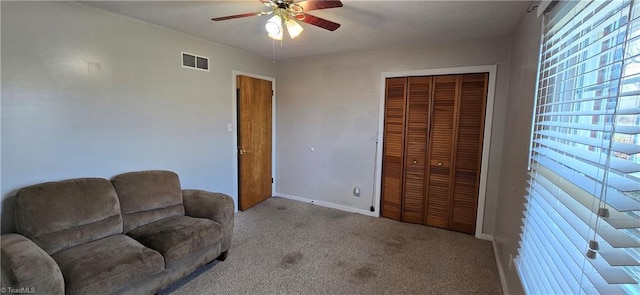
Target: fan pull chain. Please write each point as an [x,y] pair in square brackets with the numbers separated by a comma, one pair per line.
[273,50]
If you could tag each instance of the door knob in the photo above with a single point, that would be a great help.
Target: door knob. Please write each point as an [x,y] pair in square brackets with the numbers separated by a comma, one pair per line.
[242,152]
[415,162]
[439,163]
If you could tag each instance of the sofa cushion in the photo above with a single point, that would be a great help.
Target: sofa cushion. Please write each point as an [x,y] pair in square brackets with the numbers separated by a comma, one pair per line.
[178,236]
[107,265]
[148,196]
[59,215]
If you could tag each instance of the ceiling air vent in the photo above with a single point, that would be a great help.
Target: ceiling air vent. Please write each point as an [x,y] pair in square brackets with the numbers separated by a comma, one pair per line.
[195,62]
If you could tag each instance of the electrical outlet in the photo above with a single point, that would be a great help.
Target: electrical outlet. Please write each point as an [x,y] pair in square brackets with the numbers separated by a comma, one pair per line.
[356,191]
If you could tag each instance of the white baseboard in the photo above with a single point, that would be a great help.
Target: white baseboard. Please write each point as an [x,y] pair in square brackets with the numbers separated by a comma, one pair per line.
[503,279]
[350,209]
[327,204]
[486,237]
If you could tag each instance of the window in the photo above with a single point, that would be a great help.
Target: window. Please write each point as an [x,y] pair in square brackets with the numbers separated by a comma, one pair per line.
[580,233]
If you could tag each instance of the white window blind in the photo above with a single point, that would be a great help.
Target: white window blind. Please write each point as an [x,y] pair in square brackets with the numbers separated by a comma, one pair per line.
[580,232]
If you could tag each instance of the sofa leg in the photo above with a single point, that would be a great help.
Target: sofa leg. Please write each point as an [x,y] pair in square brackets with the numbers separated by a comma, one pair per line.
[223,256]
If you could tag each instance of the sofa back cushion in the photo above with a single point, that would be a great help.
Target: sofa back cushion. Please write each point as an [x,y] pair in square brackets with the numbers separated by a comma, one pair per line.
[148,196]
[63,214]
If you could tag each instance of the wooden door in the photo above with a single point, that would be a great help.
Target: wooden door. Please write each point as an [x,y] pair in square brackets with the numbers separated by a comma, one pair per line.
[441,151]
[468,155]
[417,127]
[433,149]
[254,140]
[393,148]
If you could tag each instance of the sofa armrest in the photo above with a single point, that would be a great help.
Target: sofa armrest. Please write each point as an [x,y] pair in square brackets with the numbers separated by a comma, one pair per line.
[26,267]
[215,206]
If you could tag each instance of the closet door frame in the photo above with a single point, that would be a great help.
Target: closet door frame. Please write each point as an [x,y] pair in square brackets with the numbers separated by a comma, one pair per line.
[489,106]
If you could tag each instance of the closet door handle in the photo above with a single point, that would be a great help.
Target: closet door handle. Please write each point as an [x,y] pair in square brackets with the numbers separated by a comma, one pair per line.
[415,162]
[439,163]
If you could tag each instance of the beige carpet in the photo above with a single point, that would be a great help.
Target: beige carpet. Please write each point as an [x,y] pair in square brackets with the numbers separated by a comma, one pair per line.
[284,246]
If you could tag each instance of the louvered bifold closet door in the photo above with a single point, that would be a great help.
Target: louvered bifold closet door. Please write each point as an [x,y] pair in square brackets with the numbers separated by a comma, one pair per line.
[417,127]
[443,117]
[393,148]
[468,155]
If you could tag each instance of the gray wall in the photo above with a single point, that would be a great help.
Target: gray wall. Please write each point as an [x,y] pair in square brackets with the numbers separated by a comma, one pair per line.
[331,103]
[85,93]
[515,150]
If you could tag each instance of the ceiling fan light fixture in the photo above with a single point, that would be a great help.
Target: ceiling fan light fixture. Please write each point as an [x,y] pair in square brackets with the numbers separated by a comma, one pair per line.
[294,28]
[274,26]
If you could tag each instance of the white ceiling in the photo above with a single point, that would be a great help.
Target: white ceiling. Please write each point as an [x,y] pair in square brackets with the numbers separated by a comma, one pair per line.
[365,24]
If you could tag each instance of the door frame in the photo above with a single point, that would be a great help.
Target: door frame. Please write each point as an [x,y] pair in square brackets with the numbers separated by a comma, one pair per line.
[234,130]
[486,143]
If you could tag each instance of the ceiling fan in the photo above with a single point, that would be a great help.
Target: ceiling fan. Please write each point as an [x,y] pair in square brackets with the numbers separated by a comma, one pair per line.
[287,12]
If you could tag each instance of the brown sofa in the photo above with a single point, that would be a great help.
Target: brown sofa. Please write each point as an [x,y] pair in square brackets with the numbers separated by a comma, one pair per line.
[134,235]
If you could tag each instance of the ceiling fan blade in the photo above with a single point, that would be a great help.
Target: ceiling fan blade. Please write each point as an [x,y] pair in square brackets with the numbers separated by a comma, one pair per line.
[320,22]
[236,16]
[319,4]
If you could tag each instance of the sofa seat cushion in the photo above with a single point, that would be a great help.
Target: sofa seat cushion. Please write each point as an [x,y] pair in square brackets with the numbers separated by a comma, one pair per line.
[178,236]
[106,265]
